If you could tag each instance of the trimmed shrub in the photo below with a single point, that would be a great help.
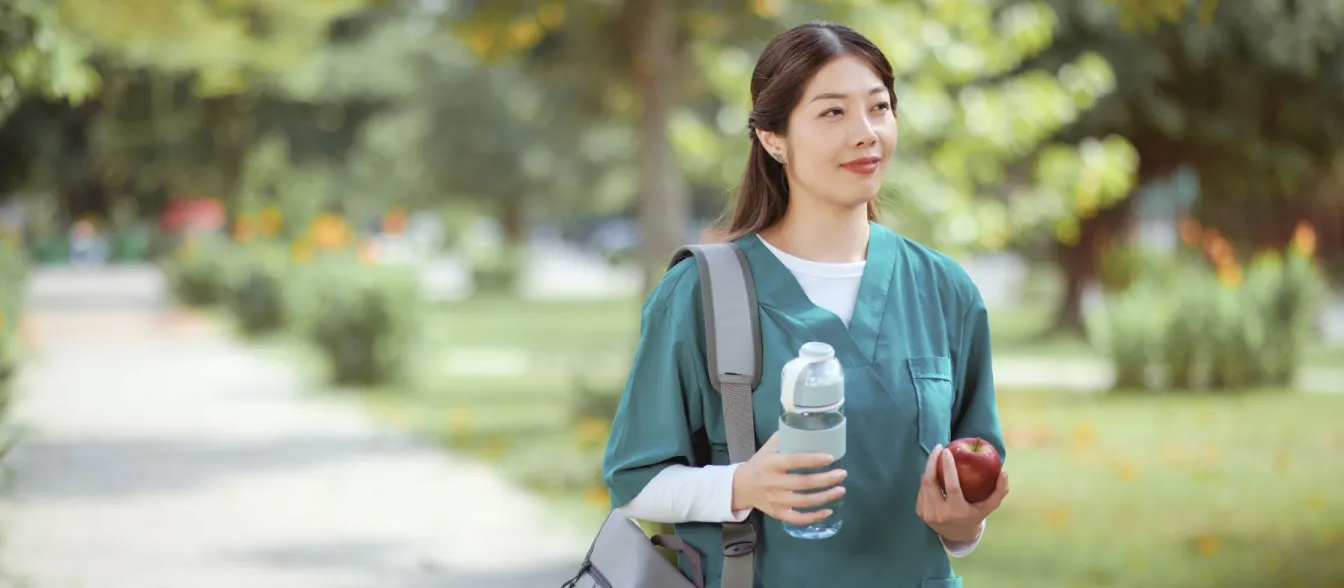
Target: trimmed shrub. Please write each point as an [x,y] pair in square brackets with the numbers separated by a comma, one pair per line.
[362,318]
[199,270]
[1202,330]
[256,293]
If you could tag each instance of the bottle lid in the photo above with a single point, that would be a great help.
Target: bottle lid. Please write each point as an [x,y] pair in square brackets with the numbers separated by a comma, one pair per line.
[817,350]
[796,396]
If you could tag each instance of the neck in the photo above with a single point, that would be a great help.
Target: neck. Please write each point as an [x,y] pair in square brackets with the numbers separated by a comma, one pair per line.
[822,233]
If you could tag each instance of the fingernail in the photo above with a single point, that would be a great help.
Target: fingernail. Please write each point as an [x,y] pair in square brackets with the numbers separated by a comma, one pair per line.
[937,448]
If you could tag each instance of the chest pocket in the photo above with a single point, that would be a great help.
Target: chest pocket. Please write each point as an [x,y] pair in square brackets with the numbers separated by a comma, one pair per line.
[932,376]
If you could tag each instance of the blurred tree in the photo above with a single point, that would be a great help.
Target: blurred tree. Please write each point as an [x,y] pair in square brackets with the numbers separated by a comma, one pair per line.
[973,171]
[40,54]
[1248,95]
[178,81]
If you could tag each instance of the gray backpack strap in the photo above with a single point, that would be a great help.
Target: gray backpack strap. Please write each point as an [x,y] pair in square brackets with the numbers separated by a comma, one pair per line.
[733,341]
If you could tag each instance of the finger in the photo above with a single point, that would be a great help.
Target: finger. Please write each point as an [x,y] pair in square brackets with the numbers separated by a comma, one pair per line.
[794,517]
[815,499]
[814,481]
[799,461]
[995,500]
[928,477]
[992,503]
[951,483]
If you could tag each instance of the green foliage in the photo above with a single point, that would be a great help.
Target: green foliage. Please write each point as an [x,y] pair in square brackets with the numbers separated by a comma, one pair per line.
[199,272]
[1132,334]
[977,164]
[40,54]
[1193,329]
[1168,55]
[557,466]
[496,272]
[13,281]
[593,401]
[226,47]
[256,291]
[1289,292]
[362,318]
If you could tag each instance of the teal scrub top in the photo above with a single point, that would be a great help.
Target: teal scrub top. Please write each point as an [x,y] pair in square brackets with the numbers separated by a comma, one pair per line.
[916,358]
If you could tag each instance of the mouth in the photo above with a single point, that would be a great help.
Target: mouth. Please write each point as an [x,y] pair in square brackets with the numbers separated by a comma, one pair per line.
[862,165]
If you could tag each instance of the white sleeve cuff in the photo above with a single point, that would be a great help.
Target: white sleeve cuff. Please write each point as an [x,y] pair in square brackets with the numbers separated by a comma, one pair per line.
[963,548]
[724,485]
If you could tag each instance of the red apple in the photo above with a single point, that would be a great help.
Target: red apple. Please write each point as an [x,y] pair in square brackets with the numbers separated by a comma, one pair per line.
[978,467]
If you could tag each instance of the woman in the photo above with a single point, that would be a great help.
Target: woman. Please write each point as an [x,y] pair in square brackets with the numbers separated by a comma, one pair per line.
[907,323]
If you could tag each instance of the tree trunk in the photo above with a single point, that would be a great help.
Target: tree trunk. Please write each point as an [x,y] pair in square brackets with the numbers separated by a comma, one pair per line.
[1158,158]
[513,218]
[663,202]
[1076,268]
[1078,262]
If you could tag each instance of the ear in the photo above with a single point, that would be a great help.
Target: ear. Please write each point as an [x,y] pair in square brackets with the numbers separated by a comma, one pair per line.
[774,145]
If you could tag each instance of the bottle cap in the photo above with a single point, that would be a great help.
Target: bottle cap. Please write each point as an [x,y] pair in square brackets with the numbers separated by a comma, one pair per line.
[817,350]
[795,396]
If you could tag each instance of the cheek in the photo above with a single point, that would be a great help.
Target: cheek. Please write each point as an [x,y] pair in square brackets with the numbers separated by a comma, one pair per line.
[889,134]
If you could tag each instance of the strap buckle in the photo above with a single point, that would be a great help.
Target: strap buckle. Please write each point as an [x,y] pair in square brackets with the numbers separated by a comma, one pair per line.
[739,539]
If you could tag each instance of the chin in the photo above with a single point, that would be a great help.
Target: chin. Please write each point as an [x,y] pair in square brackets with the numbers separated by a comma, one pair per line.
[856,199]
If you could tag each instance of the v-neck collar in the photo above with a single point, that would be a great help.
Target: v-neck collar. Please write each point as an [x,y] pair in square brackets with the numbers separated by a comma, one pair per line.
[777,287]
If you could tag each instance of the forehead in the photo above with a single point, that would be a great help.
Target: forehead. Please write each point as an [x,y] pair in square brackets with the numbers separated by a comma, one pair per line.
[847,74]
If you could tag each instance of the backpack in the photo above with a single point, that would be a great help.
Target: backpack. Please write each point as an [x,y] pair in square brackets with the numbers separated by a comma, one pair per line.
[622,555]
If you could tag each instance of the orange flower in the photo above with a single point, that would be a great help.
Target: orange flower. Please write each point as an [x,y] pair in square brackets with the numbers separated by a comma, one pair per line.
[395,221]
[269,221]
[330,231]
[1230,276]
[243,228]
[1190,231]
[1304,239]
[301,251]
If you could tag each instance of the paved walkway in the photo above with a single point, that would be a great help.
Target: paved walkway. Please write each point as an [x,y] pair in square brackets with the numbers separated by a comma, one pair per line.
[163,455]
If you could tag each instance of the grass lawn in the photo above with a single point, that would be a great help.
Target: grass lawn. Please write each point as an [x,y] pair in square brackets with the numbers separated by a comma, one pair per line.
[1168,491]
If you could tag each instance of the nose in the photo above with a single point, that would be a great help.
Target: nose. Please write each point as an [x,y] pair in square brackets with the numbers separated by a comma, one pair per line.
[862,133]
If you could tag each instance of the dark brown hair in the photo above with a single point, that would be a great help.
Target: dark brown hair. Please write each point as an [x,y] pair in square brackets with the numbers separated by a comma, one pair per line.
[782,73]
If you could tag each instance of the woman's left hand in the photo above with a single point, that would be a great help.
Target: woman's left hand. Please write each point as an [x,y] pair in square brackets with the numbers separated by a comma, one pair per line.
[951,516]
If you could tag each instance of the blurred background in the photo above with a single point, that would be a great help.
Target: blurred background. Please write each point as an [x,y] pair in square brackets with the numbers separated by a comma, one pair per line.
[342,292]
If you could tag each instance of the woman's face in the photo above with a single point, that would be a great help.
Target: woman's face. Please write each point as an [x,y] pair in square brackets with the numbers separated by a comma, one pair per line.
[841,135]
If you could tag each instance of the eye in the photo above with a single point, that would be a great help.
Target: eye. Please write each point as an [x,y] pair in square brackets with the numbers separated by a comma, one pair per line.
[832,111]
[883,106]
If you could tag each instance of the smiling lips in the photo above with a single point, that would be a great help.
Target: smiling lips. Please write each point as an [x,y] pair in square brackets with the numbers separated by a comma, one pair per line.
[863,165]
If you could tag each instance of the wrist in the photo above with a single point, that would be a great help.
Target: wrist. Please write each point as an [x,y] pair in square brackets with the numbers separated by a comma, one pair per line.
[964,533]
[739,501]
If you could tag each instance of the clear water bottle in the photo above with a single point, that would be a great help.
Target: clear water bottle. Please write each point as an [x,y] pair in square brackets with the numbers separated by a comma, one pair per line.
[812,393]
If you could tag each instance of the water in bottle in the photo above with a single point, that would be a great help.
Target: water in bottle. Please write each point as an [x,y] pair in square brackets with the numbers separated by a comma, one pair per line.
[812,393]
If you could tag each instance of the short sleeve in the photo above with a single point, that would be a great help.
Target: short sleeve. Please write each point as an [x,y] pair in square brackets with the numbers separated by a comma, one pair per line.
[659,412]
[978,412]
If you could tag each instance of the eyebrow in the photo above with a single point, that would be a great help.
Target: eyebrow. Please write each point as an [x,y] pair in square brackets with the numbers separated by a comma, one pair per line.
[836,96]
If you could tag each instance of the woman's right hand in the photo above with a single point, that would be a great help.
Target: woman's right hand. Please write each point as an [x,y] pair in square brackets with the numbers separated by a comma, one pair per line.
[765,483]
